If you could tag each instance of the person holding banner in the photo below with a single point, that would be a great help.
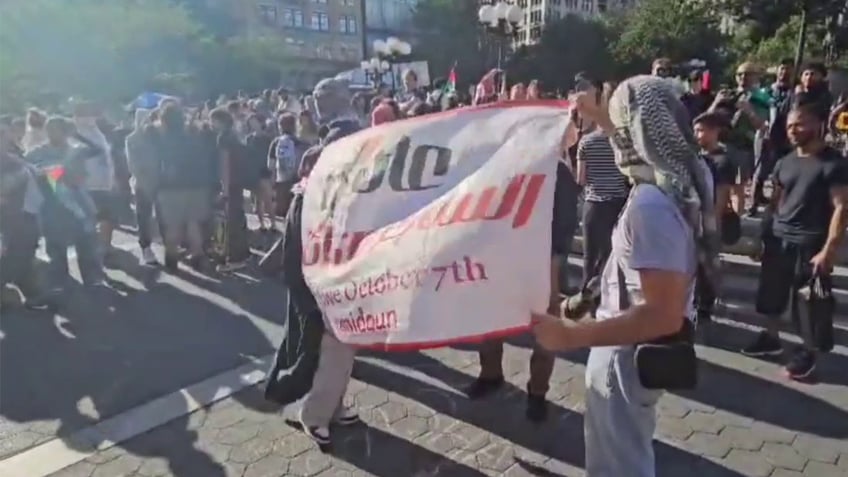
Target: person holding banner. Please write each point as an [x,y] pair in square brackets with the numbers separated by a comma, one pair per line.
[641,342]
[311,361]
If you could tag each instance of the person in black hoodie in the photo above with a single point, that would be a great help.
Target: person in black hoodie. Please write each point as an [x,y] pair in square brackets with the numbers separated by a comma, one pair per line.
[182,192]
[20,201]
[311,361]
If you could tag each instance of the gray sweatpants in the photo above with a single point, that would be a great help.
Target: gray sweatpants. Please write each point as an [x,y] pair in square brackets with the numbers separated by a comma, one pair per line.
[329,385]
[620,417]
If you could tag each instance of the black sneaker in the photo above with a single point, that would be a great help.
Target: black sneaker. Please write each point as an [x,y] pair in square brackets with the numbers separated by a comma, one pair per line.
[764,345]
[537,408]
[801,365]
[482,387]
[172,263]
[703,318]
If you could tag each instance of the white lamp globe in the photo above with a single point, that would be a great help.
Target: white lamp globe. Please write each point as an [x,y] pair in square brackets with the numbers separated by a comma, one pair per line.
[385,66]
[392,44]
[375,63]
[514,14]
[487,14]
[379,46]
[365,64]
[404,48]
[501,10]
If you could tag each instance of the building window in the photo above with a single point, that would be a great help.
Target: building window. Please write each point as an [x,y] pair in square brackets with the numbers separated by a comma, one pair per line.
[535,33]
[319,1]
[347,24]
[320,21]
[298,18]
[268,14]
[349,3]
[587,5]
[288,17]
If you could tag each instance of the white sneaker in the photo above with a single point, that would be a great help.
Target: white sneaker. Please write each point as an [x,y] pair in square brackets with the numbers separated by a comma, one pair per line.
[148,257]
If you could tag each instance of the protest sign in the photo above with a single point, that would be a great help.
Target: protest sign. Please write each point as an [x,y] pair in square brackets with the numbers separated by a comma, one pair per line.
[437,229]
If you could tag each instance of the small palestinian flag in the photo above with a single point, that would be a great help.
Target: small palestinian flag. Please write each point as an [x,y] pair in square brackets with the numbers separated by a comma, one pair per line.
[450,85]
[54,174]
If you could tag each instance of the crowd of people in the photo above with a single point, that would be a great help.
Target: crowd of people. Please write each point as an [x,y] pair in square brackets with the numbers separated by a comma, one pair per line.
[660,176]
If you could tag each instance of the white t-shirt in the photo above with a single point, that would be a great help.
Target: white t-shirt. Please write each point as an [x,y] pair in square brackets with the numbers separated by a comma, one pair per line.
[651,233]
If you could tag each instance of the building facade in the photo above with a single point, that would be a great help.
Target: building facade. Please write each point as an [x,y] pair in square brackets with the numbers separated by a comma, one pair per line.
[538,13]
[323,37]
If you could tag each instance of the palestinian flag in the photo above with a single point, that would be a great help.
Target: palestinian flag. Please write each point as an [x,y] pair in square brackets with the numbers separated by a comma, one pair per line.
[53,175]
[450,85]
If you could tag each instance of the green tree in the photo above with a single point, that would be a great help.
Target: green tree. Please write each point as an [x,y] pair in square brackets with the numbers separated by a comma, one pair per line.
[98,49]
[677,29]
[111,50]
[765,17]
[555,60]
[449,35]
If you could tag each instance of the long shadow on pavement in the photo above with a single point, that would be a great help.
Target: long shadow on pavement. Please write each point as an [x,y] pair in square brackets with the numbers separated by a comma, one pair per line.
[560,438]
[768,401]
[108,350]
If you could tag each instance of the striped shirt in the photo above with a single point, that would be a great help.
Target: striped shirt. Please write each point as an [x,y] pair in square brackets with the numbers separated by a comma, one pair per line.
[603,179]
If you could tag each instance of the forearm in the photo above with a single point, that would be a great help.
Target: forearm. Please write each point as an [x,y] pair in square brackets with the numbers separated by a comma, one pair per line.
[836,230]
[581,170]
[638,324]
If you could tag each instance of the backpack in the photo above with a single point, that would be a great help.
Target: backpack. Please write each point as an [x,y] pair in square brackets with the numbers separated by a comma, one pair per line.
[290,171]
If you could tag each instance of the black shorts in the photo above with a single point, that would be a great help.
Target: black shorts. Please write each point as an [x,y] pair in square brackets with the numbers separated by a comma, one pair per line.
[107,205]
[746,167]
[784,270]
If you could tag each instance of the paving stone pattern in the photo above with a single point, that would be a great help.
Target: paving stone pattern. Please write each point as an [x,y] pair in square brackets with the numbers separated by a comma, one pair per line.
[744,420]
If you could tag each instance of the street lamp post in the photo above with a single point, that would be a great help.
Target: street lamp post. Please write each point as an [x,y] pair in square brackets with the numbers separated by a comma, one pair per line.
[391,51]
[501,20]
[374,70]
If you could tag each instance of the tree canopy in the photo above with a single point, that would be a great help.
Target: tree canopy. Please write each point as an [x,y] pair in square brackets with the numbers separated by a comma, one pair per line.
[114,49]
[619,44]
[449,35]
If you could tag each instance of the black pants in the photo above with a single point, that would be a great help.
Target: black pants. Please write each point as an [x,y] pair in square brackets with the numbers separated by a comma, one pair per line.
[237,246]
[20,243]
[144,208]
[785,270]
[705,296]
[598,222]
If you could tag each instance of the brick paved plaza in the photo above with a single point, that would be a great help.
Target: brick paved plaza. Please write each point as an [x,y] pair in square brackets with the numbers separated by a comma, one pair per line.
[72,407]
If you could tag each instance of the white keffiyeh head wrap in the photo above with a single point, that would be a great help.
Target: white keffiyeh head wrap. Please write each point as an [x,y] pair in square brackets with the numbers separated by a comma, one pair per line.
[654,144]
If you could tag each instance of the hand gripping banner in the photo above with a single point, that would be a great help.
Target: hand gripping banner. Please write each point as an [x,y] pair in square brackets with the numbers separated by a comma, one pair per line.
[437,229]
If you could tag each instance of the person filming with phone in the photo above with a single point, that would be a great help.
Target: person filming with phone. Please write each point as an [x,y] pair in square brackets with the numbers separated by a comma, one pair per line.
[745,122]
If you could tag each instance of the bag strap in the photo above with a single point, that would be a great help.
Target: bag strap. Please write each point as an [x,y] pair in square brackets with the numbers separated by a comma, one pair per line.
[623,296]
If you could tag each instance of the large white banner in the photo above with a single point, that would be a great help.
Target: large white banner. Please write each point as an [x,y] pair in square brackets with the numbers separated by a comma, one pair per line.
[437,229]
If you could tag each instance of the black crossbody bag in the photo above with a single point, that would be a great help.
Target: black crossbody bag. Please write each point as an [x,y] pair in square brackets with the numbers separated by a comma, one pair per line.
[669,362]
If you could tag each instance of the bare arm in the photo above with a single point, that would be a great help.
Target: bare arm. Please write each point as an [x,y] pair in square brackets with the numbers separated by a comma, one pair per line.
[661,314]
[836,230]
[581,166]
